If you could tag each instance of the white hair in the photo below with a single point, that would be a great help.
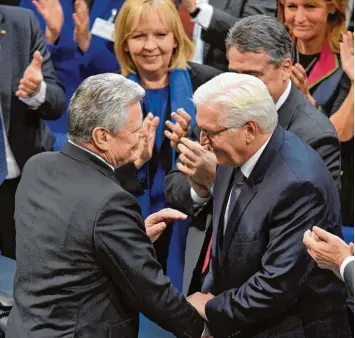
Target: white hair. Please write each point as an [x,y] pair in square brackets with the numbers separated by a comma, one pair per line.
[101,101]
[239,98]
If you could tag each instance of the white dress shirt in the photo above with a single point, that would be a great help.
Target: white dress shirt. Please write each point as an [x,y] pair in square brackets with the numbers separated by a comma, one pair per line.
[33,102]
[343,265]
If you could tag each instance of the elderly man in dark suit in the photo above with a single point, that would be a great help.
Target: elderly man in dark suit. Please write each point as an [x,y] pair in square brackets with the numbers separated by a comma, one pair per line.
[85,265]
[216,17]
[260,46]
[270,188]
[29,92]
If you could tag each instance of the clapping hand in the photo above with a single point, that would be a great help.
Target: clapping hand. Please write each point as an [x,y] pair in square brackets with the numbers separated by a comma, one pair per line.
[32,78]
[347,55]
[155,224]
[82,35]
[147,140]
[52,13]
[326,249]
[178,130]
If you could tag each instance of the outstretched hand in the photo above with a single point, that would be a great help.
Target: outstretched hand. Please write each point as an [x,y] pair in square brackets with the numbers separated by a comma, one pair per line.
[156,223]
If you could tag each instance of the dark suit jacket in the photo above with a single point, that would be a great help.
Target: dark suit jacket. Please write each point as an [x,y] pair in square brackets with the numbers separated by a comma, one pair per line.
[265,282]
[20,38]
[225,14]
[349,277]
[85,266]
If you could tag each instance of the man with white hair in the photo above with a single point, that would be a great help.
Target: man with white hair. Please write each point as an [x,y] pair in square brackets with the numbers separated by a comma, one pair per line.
[85,265]
[270,188]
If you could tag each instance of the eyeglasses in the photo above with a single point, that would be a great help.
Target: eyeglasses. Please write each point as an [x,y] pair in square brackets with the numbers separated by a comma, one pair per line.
[210,134]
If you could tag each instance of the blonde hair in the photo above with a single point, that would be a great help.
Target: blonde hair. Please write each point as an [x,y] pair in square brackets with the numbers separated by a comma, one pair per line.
[127,21]
[335,25]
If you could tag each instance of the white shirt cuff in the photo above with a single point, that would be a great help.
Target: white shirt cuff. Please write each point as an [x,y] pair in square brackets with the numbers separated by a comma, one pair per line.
[204,17]
[346,261]
[197,200]
[35,101]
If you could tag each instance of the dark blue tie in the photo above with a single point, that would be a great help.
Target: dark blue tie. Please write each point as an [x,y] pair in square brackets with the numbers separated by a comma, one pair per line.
[3,163]
[238,181]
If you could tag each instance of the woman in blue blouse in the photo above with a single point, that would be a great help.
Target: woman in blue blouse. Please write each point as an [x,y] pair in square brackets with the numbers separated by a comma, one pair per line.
[153,50]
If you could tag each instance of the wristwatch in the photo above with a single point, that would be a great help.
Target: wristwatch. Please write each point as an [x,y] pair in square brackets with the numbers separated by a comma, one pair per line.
[195,12]
[210,188]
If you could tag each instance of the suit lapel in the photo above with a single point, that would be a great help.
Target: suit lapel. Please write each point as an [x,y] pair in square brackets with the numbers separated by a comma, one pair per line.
[5,70]
[246,195]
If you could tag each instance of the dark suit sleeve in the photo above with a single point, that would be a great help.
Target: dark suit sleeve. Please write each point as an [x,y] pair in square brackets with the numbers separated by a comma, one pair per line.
[54,105]
[126,253]
[349,277]
[222,21]
[327,145]
[285,265]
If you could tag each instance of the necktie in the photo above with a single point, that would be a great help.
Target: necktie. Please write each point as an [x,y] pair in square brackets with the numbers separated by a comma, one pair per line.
[3,163]
[238,181]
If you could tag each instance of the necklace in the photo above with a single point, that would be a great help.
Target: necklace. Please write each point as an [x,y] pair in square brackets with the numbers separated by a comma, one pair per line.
[311,63]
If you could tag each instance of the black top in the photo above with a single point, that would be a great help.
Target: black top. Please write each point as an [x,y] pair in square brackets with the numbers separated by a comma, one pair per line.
[307,61]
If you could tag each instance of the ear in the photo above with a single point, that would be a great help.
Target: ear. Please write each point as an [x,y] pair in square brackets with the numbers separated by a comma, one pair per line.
[330,7]
[175,43]
[251,129]
[286,69]
[101,138]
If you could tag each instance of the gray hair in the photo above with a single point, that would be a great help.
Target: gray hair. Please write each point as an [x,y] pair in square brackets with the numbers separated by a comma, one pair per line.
[261,33]
[101,100]
[239,98]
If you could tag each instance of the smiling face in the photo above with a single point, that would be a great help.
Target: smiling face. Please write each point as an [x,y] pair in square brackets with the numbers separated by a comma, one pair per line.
[151,45]
[307,19]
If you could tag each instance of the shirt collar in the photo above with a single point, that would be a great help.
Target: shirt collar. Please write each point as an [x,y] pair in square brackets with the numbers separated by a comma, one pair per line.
[284,96]
[249,165]
[92,153]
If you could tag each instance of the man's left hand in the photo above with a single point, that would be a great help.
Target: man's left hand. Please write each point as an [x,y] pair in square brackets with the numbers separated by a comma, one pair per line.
[32,78]
[156,223]
[81,18]
[328,250]
[199,300]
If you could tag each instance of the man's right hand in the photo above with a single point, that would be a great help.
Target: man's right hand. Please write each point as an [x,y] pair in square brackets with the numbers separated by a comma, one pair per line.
[197,161]
[52,13]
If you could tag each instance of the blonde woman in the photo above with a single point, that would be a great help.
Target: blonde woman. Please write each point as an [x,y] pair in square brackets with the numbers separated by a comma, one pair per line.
[154,51]
[324,72]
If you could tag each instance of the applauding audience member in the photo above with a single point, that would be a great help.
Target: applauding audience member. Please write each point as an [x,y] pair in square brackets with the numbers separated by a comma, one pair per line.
[324,72]
[76,52]
[29,92]
[332,253]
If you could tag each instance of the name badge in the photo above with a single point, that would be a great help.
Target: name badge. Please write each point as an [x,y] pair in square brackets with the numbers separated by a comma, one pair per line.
[104,29]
